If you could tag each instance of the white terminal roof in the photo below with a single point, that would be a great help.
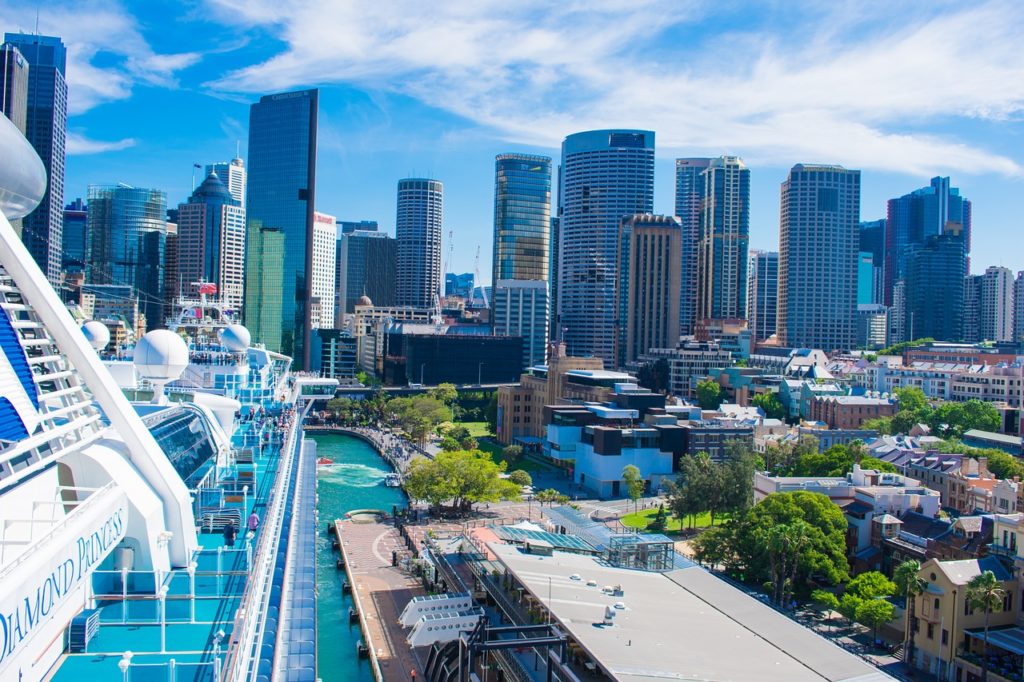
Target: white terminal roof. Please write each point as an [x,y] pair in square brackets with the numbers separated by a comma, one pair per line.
[682,625]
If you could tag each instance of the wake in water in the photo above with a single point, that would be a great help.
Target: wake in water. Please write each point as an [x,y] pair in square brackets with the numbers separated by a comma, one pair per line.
[354,475]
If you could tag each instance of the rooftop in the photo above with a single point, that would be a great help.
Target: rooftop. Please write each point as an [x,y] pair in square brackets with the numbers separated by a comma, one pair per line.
[708,623]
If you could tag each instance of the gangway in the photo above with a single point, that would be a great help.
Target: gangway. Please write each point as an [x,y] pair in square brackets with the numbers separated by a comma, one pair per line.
[433,603]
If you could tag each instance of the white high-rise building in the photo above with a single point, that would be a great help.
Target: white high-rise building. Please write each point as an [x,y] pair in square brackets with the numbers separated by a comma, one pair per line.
[418,223]
[996,313]
[322,275]
[232,174]
[1018,307]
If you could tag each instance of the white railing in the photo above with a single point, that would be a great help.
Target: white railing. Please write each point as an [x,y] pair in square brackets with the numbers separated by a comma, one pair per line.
[250,621]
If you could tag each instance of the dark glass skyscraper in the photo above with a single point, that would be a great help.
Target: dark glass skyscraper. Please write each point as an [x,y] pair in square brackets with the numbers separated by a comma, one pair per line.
[127,228]
[762,293]
[522,217]
[281,196]
[418,231]
[75,237]
[689,200]
[605,175]
[724,239]
[14,86]
[934,286]
[366,267]
[818,246]
[47,131]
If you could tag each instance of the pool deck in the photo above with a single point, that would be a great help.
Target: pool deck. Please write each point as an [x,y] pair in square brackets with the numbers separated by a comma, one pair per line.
[380,591]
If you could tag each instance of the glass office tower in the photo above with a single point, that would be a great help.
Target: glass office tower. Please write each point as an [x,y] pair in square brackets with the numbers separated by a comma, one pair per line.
[47,125]
[724,238]
[281,196]
[606,174]
[522,217]
[689,200]
[127,236]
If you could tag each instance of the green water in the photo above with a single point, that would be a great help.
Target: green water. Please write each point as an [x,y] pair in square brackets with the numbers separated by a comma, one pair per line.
[355,481]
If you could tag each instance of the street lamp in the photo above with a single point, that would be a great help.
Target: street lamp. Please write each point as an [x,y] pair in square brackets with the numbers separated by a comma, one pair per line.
[479,373]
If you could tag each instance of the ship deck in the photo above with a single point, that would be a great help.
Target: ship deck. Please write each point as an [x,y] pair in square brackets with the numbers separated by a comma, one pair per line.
[184,643]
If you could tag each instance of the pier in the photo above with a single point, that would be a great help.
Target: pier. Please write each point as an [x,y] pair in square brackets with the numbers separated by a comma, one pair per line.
[379,592]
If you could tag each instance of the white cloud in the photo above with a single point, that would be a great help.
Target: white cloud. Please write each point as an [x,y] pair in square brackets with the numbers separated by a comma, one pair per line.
[835,85]
[94,29]
[78,144]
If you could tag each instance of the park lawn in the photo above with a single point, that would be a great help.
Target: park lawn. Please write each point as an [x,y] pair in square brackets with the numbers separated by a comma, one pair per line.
[643,518]
[476,429]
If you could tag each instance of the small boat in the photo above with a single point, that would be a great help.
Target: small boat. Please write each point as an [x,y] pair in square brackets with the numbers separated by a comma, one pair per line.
[392,480]
[323,461]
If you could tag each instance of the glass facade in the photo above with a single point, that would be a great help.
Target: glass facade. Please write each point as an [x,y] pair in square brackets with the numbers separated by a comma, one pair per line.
[47,123]
[210,243]
[605,175]
[522,217]
[127,237]
[935,273]
[74,235]
[185,438]
[366,267]
[418,231]
[724,240]
[762,293]
[280,196]
[689,199]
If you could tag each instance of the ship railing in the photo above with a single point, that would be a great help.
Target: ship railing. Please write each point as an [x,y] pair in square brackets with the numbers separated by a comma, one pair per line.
[175,670]
[56,528]
[251,618]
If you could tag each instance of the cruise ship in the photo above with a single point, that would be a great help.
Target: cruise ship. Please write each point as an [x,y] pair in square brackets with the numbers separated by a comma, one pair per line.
[119,477]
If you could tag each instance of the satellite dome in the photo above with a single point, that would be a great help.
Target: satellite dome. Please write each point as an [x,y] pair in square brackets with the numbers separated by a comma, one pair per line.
[364,300]
[97,334]
[235,338]
[161,355]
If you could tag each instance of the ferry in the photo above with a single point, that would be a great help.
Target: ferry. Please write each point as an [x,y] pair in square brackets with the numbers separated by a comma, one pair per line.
[392,480]
[119,477]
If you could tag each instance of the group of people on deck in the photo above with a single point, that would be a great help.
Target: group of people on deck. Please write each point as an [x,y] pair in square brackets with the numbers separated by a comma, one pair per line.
[230,532]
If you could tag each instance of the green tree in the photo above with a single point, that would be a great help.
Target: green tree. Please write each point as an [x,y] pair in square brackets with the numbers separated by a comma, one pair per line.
[449,444]
[871,585]
[985,593]
[446,394]
[491,414]
[883,425]
[462,477]
[784,545]
[827,601]
[897,349]
[878,465]
[634,483]
[874,613]
[911,399]
[520,478]
[770,405]
[848,605]
[709,394]
[713,548]
[551,496]
[910,584]
[512,453]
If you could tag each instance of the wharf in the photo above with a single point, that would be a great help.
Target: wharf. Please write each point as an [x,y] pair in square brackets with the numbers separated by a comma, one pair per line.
[379,592]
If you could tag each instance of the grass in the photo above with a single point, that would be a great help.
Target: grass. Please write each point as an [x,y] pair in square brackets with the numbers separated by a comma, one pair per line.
[645,517]
[476,429]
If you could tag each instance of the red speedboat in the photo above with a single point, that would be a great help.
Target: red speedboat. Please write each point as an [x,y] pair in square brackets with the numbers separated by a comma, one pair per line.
[324,460]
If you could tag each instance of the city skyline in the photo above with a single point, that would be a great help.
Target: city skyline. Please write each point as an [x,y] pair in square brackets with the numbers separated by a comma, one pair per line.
[135,98]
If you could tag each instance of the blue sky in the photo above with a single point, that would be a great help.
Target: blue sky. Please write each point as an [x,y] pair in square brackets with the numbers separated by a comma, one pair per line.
[901,90]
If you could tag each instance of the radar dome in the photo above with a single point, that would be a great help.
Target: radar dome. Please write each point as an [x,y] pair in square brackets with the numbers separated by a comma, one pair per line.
[235,338]
[97,334]
[161,355]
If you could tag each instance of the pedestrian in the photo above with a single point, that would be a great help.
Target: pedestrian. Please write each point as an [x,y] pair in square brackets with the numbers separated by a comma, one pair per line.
[229,534]
[254,523]
[412,674]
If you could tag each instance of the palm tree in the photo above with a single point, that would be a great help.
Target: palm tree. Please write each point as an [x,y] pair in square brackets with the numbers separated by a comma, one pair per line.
[911,585]
[985,592]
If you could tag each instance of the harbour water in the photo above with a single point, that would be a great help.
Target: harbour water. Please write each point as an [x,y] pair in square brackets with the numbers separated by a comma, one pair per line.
[354,481]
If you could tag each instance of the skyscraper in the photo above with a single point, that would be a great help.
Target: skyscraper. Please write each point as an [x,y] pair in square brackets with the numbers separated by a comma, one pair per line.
[872,241]
[211,243]
[724,239]
[914,217]
[971,327]
[418,231]
[520,308]
[997,304]
[14,82]
[367,262]
[47,114]
[350,226]
[1018,307]
[648,282]
[689,200]
[818,246]
[75,237]
[280,197]
[762,293]
[522,217]
[605,175]
[554,332]
[324,271]
[232,174]
[127,229]
[932,291]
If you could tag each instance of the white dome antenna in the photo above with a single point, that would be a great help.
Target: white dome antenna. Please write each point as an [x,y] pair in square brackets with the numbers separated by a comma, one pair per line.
[235,338]
[97,334]
[161,356]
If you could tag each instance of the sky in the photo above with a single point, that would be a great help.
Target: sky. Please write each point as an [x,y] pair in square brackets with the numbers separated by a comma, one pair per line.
[902,91]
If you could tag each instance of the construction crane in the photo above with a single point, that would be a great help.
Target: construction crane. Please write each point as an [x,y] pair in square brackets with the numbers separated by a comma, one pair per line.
[438,319]
[476,277]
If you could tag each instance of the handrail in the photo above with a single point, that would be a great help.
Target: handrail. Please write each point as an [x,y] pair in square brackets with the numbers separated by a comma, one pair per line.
[251,617]
[59,526]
